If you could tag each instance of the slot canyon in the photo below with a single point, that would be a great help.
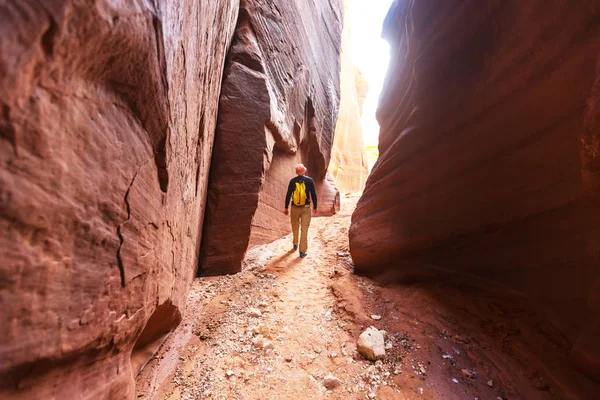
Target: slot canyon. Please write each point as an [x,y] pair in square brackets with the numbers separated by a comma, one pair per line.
[145,152]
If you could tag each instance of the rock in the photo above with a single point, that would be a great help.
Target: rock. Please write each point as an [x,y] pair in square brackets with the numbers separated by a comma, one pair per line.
[262,343]
[254,312]
[108,114]
[331,382]
[348,166]
[468,373]
[376,317]
[471,177]
[370,344]
[229,373]
[490,383]
[281,89]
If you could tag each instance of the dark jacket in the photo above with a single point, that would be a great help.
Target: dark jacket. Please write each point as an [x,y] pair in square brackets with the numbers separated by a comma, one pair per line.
[311,194]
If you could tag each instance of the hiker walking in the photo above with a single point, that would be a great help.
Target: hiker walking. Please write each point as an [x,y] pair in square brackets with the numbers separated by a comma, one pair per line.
[301,191]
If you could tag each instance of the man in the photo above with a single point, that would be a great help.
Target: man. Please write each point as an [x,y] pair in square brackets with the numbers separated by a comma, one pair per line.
[301,191]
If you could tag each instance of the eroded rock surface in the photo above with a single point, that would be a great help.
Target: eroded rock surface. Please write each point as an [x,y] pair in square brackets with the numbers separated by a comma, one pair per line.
[106,131]
[278,107]
[489,155]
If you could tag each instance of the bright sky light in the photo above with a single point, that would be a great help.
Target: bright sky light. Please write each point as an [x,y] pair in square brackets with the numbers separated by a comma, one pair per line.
[370,53]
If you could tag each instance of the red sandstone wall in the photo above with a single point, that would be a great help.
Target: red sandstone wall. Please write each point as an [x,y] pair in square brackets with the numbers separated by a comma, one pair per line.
[106,130]
[278,107]
[489,154]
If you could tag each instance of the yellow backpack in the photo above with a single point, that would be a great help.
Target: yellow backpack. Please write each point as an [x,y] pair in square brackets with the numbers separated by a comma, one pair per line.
[299,197]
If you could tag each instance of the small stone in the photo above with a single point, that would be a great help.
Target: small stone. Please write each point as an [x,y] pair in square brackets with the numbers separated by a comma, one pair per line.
[371,344]
[371,396]
[289,358]
[389,346]
[262,343]
[229,373]
[454,380]
[254,312]
[490,383]
[468,374]
[376,317]
[331,382]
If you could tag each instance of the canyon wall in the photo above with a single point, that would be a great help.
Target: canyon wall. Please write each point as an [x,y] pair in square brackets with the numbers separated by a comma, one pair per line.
[106,131]
[348,166]
[489,155]
[278,107]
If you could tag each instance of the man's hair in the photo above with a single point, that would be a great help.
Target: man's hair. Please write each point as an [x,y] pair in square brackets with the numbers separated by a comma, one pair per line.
[300,169]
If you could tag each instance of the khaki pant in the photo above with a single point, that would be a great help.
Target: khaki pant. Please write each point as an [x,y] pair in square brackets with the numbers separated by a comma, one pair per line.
[300,217]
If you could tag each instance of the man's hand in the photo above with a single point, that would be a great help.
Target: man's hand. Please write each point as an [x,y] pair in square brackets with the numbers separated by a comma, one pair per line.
[286,211]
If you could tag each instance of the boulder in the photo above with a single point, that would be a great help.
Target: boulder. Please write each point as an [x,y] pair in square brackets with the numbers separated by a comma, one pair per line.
[108,112]
[371,344]
[489,154]
[278,107]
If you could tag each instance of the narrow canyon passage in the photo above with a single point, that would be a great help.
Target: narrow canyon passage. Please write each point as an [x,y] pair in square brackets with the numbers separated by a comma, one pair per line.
[286,328]
[145,152]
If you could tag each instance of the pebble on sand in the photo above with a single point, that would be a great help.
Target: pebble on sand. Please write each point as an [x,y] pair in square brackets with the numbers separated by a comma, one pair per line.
[254,312]
[331,382]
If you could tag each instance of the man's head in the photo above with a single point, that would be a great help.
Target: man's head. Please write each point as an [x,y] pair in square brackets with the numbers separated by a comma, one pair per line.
[300,169]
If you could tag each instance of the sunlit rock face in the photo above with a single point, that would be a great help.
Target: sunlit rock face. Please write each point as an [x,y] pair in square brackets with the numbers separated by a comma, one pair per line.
[362,88]
[106,130]
[489,155]
[278,107]
[348,165]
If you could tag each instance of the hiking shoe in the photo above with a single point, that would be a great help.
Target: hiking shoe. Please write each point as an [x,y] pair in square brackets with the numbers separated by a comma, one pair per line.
[302,254]
[295,247]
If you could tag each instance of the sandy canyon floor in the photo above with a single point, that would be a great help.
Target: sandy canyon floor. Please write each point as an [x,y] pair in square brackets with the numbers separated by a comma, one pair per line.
[284,324]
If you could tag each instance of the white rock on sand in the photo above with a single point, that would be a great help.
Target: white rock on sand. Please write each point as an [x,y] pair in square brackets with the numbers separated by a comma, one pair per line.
[371,344]
[254,312]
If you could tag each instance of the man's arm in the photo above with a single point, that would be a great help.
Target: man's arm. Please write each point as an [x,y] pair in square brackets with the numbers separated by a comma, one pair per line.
[288,195]
[313,193]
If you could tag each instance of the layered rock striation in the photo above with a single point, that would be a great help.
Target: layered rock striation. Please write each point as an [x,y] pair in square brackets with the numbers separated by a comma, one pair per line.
[278,107]
[489,155]
[106,132]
